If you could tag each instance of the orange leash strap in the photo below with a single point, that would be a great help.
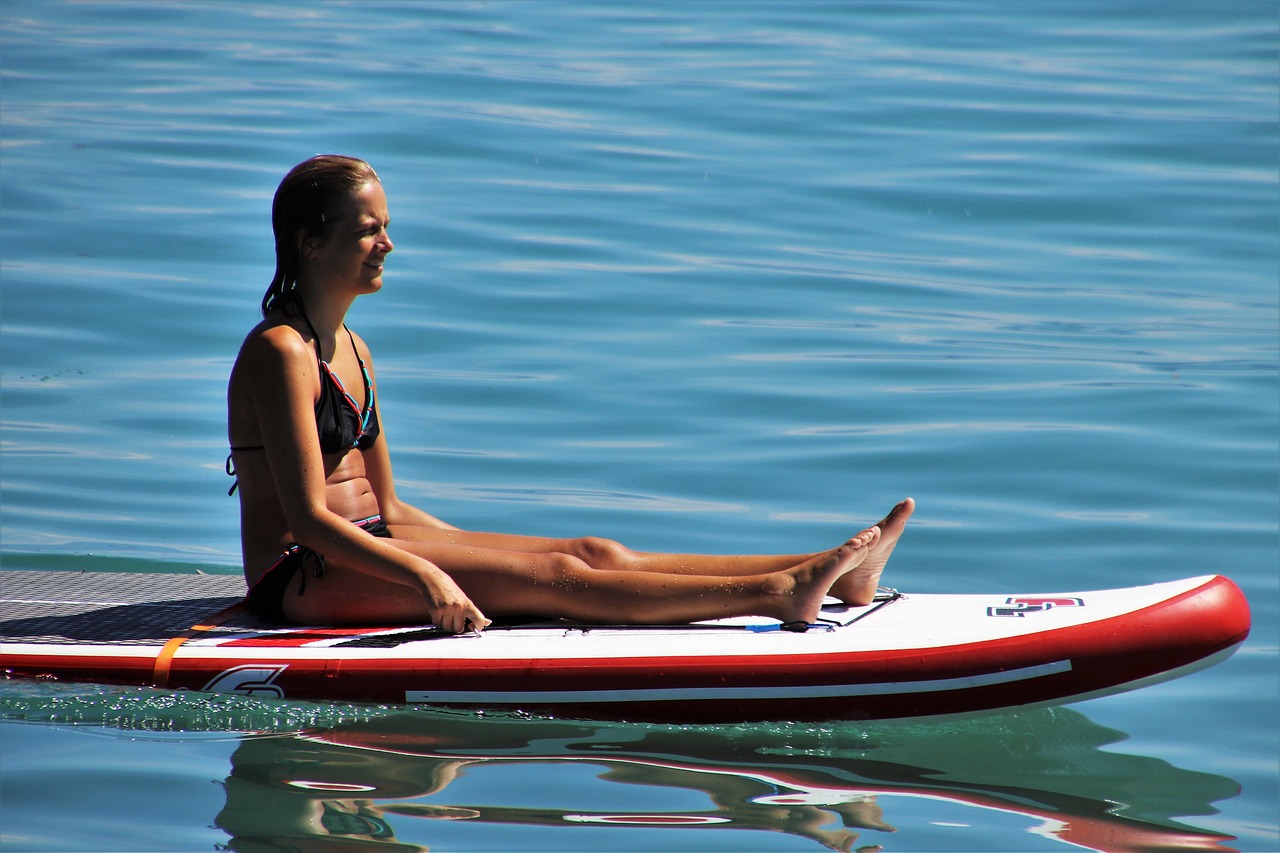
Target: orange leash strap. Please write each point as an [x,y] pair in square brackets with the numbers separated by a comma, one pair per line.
[164,660]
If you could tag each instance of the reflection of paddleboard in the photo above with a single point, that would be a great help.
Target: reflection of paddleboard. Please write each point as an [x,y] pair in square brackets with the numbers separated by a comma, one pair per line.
[904,656]
[750,788]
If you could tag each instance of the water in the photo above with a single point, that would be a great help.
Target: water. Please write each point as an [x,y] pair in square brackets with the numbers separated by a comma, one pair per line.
[715,277]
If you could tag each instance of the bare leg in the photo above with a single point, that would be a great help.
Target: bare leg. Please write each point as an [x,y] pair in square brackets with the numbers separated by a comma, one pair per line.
[606,554]
[558,585]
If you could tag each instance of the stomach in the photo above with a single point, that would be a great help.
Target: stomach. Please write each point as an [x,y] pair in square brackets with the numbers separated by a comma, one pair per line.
[352,498]
[264,529]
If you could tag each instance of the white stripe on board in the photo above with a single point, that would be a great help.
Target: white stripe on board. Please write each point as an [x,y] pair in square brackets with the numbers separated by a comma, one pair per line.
[694,694]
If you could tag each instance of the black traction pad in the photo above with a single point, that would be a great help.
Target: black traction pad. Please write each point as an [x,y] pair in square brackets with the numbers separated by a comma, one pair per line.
[125,608]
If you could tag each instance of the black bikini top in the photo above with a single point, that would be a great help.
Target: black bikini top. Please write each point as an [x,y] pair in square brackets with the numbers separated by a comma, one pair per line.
[341,422]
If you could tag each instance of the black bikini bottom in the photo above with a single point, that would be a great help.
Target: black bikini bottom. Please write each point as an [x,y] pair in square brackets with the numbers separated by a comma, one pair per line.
[266,597]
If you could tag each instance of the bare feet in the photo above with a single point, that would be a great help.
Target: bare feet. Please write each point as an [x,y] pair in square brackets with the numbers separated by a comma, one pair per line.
[801,600]
[858,587]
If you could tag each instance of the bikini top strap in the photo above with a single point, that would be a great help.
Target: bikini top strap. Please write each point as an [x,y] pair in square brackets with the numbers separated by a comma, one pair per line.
[315,336]
[369,404]
[353,345]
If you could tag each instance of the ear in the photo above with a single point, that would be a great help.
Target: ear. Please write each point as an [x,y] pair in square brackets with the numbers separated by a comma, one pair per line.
[306,243]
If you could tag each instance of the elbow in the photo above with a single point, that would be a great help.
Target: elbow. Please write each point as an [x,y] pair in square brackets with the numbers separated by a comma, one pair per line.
[316,529]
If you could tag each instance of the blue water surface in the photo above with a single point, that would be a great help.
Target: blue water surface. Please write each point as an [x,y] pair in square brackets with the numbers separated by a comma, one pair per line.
[723,277]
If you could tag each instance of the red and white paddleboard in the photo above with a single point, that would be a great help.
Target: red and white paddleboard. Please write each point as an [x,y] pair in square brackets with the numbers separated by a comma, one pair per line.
[904,656]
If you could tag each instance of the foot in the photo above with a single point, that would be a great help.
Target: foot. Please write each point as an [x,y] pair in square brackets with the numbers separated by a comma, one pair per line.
[858,588]
[806,585]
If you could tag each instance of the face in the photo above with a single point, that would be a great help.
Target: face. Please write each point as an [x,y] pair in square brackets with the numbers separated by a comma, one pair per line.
[357,244]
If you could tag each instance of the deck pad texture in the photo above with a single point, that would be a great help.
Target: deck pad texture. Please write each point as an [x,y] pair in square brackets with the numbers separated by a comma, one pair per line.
[133,608]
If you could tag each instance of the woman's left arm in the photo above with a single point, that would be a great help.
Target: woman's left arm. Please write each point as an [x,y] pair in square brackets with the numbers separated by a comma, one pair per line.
[377,466]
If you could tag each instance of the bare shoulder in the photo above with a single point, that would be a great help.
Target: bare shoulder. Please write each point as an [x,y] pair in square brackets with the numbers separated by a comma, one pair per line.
[273,341]
[273,353]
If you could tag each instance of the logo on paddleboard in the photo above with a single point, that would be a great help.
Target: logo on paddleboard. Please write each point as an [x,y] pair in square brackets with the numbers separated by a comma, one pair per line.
[1022,605]
[251,680]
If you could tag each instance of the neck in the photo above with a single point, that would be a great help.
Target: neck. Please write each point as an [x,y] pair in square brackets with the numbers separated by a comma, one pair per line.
[326,315]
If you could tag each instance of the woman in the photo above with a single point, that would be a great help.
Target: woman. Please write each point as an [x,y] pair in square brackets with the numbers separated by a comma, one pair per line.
[325,538]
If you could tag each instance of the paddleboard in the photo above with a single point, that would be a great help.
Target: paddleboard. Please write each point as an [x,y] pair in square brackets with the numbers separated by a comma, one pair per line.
[905,655]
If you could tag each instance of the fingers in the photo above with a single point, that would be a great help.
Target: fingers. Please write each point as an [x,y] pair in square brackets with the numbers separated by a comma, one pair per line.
[461,619]
[450,608]
[476,622]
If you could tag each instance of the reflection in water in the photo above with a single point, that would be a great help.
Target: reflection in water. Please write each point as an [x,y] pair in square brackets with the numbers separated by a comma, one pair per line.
[354,785]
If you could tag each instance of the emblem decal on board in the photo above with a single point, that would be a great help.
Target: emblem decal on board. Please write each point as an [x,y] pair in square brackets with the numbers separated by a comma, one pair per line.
[255,679]
[1024,604]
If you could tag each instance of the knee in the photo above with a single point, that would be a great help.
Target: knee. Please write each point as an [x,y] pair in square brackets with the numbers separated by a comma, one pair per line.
[558,571]
[600,553]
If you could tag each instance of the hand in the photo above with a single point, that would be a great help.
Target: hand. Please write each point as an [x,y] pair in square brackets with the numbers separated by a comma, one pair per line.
[449,606]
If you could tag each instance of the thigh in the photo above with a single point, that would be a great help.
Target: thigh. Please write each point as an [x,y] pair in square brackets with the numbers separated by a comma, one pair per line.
[343,595]
[479,539]
[499,582]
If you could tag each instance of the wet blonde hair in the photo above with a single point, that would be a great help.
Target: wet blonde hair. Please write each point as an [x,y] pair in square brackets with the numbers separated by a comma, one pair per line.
[306,203]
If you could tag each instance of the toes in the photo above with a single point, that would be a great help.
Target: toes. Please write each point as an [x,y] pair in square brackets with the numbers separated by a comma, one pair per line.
[866,538]
[900,513]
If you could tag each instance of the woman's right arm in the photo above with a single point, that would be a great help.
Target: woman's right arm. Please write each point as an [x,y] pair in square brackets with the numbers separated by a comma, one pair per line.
[280,377]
